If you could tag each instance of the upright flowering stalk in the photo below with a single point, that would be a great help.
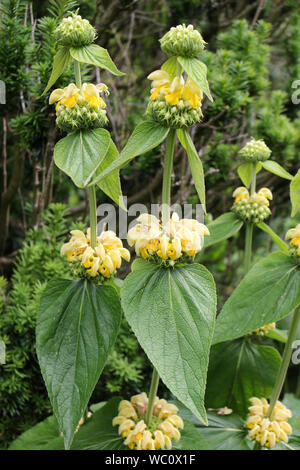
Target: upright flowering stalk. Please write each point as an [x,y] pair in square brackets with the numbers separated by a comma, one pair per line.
[79,319]
[168,245]
[253,207]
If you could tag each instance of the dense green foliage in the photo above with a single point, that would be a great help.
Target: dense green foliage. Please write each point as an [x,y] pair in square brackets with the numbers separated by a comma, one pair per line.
[251,69]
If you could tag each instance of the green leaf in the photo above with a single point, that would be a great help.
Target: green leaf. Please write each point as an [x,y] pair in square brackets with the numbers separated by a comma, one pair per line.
[222,433]
[223,227]
[245,172]
[197,71]
[145,137]
[239,370]
[80,154]
[111,185]
[269,292]
[98,433]
[172,313]
[60,63]
[195,164]
[280,243]
[77,325]
[42,436]
[95,55]
[190,439]
[171,67]
[295,193]
[276,169]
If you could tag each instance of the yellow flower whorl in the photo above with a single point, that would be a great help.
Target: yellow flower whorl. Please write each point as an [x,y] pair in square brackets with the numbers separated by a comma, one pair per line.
[268,431]
[174,103]
[294,236]
[167,244]
[79,109]
[99,262]
[252,208]
[158,434]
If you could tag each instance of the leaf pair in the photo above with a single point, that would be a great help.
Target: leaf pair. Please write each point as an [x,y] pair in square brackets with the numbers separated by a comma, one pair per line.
[83,155]
[92,54]
[145,137]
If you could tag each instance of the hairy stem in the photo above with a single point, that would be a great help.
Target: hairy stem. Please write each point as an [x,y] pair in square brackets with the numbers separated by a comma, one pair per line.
[168,165]
[152,395]
[287,353]
[92,189]
[249,227]
[248,246]
[253,180]
[93,215]
[77,73]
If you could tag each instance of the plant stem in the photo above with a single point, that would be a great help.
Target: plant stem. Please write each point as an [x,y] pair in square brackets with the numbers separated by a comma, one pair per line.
[253,180]
[166,202]
[152,395]
[285,360]
[93,215]
[249,227]
[248,246]
[92,190]
[77,73]
[168,165]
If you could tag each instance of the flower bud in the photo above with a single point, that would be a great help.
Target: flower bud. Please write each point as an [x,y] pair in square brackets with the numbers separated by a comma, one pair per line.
[75,32]
[255,151]
[182,41]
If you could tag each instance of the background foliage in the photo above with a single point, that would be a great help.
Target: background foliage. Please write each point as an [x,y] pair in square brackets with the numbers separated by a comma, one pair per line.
[252,58]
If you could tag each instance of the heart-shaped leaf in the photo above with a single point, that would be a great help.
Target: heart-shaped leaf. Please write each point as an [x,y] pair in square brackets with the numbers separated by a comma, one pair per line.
[269,292]
[172,313]
[239,370]
[145,137]
[77,325]
[95,55]
[80,154]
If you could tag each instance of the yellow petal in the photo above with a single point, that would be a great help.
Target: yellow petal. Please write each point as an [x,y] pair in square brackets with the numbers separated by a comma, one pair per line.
[56,95]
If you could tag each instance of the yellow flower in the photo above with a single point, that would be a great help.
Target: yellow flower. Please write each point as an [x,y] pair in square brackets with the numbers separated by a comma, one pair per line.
[294,235]
[170,242]
[164,426]
[268,430]
[254,207]
[105,258]
[240,193]
[66,96]
[265,329]
[70,96]
[175,92]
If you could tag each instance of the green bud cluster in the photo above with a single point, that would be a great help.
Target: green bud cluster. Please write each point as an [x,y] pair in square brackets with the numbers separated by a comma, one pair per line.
[293,252]
[78,271]
[251,211]
[255,151]
[180,116]
[182,41]
[74,31]
[80,117]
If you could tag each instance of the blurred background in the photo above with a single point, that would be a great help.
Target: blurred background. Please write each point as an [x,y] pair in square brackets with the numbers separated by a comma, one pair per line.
[252,55]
